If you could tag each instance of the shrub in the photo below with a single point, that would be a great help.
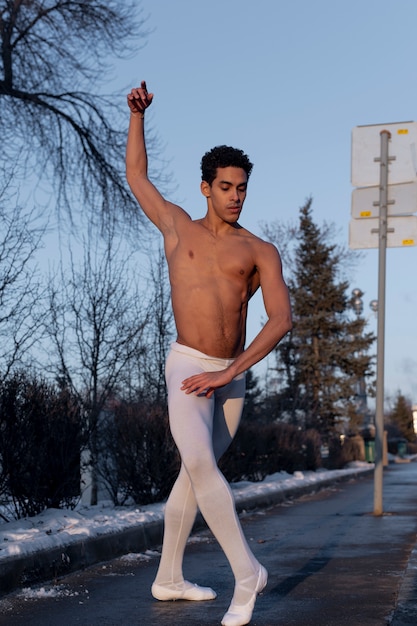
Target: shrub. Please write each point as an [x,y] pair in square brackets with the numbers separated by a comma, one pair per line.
[312,444]
[259,450]
[343,452]
[40,428]
[141,458]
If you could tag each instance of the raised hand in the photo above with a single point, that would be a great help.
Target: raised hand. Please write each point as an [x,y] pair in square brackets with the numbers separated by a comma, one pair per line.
[139,99]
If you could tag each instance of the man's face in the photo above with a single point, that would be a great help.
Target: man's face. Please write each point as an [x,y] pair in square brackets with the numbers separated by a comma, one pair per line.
[227,193]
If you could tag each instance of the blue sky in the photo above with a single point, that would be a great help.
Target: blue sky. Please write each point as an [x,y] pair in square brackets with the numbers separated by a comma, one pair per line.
[287,82]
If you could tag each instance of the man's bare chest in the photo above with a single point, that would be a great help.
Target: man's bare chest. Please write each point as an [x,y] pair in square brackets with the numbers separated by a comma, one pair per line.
[229,258]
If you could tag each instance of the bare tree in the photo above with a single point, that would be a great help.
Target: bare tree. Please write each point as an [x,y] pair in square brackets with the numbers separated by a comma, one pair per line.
[135,430]
[96,325]
[161,327]
[146,381]
[20,285]
[53,66]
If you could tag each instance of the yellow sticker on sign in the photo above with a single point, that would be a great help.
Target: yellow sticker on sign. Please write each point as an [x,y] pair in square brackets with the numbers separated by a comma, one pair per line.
[402,131]
[408,242]
[365,213]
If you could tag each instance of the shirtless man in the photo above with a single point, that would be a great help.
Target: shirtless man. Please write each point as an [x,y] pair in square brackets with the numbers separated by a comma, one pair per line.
[215,267]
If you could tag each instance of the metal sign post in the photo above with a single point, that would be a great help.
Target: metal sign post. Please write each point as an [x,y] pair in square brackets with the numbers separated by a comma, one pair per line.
[396,226]
[382,236]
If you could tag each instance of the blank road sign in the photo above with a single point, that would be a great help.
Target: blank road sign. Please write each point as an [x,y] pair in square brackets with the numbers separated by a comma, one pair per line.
[402,200]
[364,233]
[366,145]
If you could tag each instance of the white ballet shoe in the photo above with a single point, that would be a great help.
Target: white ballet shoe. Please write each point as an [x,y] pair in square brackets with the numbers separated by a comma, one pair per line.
[182,591]
[241,614]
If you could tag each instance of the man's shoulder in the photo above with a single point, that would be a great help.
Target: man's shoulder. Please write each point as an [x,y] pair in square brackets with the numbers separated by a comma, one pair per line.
[255,240]
[264,252]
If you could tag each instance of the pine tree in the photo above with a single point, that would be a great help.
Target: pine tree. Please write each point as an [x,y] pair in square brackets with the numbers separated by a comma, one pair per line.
[402,416]
[252,409]
[325,355]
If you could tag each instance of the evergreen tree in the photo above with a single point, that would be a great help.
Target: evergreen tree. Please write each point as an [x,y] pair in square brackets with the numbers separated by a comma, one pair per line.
[325,355]
[402,416]
[252,408]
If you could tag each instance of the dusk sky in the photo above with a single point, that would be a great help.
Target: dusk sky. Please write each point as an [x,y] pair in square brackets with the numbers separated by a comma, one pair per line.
[287,82]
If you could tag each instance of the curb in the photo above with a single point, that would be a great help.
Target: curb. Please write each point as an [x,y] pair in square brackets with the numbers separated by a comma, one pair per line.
[50,564]
[406,609]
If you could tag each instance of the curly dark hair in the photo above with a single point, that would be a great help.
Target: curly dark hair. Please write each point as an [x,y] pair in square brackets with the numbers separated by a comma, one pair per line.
[223,156]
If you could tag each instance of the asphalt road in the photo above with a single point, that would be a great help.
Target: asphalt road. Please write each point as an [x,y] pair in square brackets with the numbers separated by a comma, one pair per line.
[331,563]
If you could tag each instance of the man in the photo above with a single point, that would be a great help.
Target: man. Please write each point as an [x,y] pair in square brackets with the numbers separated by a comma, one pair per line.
[215,267]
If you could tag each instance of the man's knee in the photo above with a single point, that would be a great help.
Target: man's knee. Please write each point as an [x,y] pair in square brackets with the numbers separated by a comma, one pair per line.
[199,464]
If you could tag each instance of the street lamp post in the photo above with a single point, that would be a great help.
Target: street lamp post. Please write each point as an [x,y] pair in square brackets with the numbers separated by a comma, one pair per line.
[374,306]
[357,304]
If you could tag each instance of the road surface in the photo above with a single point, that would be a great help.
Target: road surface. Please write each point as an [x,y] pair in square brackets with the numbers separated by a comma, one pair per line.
[331,563]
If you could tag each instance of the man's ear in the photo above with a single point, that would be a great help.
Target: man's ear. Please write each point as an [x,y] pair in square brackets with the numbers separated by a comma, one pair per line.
[205,188]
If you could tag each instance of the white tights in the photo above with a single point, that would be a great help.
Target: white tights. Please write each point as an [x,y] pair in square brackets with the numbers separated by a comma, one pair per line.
[202,429]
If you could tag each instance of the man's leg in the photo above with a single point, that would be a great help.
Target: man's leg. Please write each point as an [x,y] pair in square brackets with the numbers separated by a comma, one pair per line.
[197,425]
[225,426]
[192,424]
[179,516]
[181,507]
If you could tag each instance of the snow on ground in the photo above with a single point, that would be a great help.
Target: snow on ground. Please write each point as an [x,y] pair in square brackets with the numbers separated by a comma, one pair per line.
[60,527]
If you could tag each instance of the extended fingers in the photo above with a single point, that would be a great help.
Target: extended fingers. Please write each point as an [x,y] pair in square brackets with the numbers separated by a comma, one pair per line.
[139,98]
[204,383]
[194,384]
[200,390]
[189,385]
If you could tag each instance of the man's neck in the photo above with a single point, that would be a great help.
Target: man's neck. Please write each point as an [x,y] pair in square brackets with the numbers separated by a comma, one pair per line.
[217,226]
